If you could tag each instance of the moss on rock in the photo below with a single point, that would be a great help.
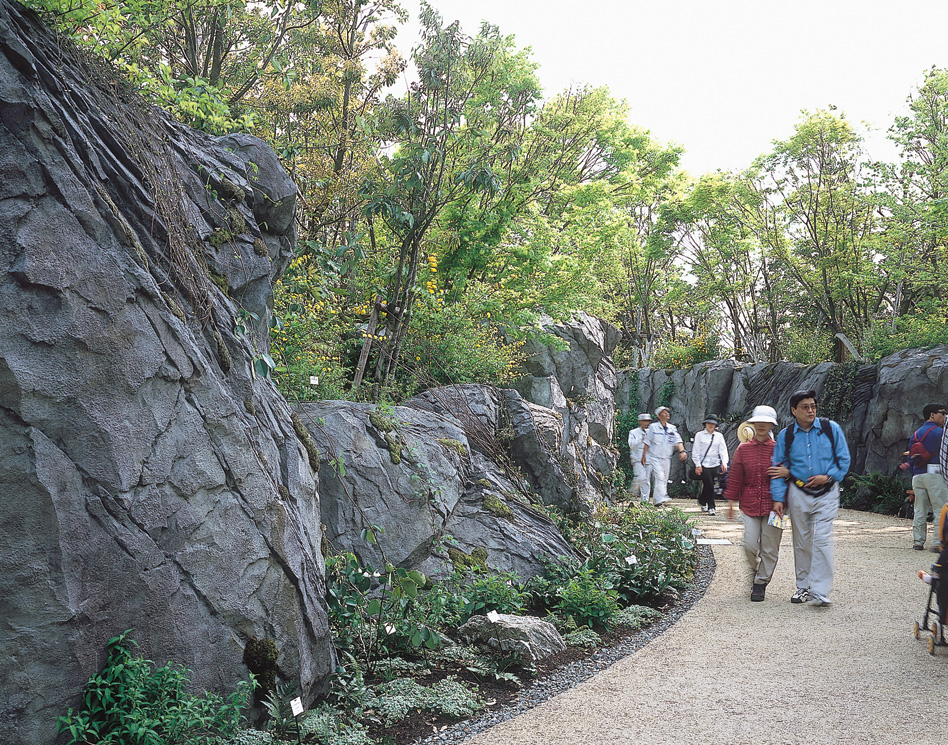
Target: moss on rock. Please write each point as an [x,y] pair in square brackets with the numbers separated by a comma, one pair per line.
[462,561]
[302,434]
[219,237]
[456,445]
[223,356]
[231,192]
[381,422]
[496,506]
[395,447]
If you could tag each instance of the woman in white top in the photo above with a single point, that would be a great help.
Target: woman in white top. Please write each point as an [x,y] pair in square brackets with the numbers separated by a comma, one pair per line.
[709,454]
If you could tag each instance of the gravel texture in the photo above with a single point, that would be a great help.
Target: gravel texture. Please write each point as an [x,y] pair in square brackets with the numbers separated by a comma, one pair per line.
[720,669]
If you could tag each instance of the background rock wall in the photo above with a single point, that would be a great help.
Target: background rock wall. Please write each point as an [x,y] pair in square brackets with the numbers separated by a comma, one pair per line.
[150,481]
[877,405]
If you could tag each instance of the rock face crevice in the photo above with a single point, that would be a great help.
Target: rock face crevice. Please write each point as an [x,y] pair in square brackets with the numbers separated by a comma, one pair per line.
[150,480]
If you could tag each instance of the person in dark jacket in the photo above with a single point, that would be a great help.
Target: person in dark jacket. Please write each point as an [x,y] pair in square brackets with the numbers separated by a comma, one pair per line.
[749,485]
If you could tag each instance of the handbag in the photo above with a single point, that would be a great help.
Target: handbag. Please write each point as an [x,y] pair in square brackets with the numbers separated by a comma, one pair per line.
[693,473]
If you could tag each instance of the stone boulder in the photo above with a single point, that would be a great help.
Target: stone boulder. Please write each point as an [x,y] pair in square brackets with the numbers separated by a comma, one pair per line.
[151,481]
[527,638]
[906,382]
[414,473]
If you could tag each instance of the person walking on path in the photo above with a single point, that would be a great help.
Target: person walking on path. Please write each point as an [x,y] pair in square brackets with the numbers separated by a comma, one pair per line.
[661,440]
[641,488]
[930,489]
[810,458]
[748,484]
[709,454]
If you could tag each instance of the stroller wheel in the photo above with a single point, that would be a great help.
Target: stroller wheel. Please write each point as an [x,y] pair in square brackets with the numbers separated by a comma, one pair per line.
[934,628]
[931,645]
[917,630]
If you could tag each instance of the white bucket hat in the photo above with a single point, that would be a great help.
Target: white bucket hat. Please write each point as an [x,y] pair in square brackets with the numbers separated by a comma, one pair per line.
[645,416]
[764,414]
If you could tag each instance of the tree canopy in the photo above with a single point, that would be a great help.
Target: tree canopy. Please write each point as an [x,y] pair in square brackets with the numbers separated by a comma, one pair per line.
[448,203]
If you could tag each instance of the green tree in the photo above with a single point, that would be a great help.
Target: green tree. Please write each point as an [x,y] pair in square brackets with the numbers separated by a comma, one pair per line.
[815,214]
[444,141]
[196,58]
[913,197]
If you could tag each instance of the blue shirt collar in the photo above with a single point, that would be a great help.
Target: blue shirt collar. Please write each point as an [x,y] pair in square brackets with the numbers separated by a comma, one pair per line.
[817,425]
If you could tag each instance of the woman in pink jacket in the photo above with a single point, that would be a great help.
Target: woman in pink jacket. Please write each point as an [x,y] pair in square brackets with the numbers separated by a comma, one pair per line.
[748,484]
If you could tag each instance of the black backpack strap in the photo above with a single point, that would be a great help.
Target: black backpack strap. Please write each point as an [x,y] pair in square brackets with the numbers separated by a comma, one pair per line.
[827,427]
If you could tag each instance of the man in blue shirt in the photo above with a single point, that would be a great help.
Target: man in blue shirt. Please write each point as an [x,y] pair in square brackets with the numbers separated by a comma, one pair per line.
[806,478]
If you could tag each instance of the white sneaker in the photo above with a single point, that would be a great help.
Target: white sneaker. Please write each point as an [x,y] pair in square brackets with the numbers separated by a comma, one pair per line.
[818,601]
[800,596]
[704,508]
[711,512]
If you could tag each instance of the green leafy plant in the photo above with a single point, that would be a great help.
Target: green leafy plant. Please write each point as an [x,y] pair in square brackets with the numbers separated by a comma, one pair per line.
[585,638]
[874,491]
[588,598]
[635,617]
[687,352]
[666,392]
[375,614]
[133,701]
[639,553]
[279,711]
[482,591]
[448,697]
[481,665]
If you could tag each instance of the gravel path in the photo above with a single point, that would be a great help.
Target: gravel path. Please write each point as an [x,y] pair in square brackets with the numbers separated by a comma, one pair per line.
[770,673]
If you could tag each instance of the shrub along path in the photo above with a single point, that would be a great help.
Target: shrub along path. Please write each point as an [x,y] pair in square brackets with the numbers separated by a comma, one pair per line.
[732,671]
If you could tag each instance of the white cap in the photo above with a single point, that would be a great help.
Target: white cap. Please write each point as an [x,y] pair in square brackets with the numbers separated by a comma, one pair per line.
[660,409]
[646,415]
[763,414]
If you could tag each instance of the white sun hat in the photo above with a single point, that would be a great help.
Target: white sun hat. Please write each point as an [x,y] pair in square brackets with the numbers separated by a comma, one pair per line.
[764,414]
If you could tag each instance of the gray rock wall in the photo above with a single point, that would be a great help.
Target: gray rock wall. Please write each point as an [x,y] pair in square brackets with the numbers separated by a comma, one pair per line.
[416,473]
[878,405]
[570,400]
[150,481]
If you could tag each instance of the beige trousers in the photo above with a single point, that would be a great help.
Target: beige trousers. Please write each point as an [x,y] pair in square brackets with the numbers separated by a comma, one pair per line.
[761,546]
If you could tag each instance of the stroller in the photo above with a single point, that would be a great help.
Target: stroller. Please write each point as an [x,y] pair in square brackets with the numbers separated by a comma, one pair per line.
[933,619]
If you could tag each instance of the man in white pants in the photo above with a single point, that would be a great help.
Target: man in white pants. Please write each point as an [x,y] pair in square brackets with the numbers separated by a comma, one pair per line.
[810,458]
[661,440]
[641,487]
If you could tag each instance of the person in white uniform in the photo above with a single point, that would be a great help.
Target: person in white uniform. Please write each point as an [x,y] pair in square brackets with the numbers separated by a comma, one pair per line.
[661,441]
[641,487]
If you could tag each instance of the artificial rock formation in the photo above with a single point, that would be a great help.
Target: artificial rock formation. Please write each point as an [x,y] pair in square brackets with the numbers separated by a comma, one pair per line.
[878,405]
[150,480]
[451,475]
[441,502]
[569,396]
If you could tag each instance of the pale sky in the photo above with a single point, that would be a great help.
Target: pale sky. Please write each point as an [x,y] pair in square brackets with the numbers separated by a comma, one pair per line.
[726,78]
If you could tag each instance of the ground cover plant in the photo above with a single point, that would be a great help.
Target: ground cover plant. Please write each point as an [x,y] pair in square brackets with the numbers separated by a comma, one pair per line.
[401,667]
